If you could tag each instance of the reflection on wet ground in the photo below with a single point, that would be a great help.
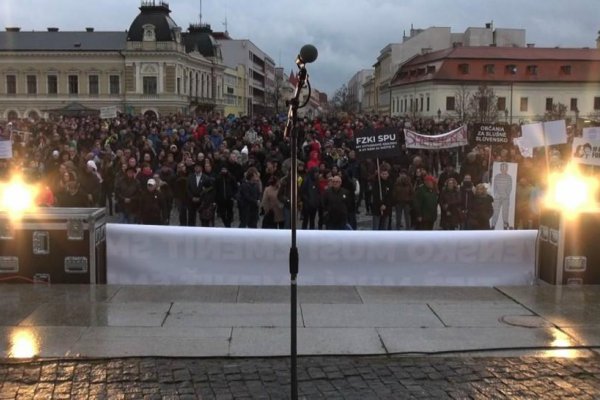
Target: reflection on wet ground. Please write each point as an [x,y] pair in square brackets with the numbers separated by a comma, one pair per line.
[199,321]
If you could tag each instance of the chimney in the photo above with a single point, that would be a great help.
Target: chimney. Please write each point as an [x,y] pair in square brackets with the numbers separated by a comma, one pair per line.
[13,29]
[52,29]
[89,29]
[530,45]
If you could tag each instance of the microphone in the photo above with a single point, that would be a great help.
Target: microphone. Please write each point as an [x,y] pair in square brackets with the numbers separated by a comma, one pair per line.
[308,54]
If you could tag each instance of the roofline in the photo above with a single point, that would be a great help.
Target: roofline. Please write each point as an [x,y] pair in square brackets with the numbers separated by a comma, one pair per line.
[492,83]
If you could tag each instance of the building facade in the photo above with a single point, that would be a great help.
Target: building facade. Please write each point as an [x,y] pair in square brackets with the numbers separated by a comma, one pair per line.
[527,82]
[423,41]
[153,67]
[235,91]
[260,71]
[356,89]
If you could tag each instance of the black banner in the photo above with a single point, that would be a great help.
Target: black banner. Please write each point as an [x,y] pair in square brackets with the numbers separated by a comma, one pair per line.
[490,134]
[382,143]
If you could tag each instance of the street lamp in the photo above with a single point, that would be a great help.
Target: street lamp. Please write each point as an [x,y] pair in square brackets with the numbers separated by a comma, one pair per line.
[513,71]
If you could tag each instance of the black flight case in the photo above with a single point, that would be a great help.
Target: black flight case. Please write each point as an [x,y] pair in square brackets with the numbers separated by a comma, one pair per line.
[54,245]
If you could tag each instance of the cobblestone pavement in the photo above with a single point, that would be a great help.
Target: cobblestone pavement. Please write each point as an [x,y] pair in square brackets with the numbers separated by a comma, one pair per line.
[319,378]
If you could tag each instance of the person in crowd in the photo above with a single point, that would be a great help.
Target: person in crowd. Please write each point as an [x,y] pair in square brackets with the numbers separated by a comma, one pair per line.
[249,199]
[403,197]
[73,196]
[152,205]
[426,204]
[351,185]
[523,218]
[194,187]
[208,205]
[127,192]
[272,207]
[383,201]
[91,183]
[336,200]
[310,196]
[480,210]
[450,205]
[448,173]
[180,194]
[225,190]
[467,191]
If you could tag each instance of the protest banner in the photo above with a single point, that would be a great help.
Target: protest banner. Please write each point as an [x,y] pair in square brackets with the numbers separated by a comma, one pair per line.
[504,185]
[5,144]
[586,151]
[108,112]
[490,134]
[455,138]
[591,133]
[377,143]
[541,134]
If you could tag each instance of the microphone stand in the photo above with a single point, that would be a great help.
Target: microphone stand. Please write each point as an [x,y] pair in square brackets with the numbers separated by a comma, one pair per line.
[292,130]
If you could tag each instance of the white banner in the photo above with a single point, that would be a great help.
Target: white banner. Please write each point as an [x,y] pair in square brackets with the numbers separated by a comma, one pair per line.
[169,255]
[586,151]
[456,138]
[592,133]
[108,112]
[5,146]
[542,134]
[504,185]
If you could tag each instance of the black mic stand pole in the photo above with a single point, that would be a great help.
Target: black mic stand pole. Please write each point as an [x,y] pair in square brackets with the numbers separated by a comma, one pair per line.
[292,130]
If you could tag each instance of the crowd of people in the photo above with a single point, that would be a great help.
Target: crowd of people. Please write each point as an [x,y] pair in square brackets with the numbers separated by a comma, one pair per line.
[203,170]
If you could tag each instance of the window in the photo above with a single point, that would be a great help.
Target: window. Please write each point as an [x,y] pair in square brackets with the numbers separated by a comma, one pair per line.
[411,104]
[73,84]
[421,106]
[574,104]
[114,84]
[463,68]
[52,84]
[596,103]
[149,85]
[489,68]
[431,69]
[450,103]
[511,69]
[532,69]
[428,103]
[178,85]
[549,103]
[31,84]
[229,90]
[524,104]
[565,69]
[93,83]
[11,84]
[501,103]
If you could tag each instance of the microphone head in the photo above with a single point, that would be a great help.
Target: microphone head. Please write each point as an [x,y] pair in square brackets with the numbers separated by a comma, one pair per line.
[308,53]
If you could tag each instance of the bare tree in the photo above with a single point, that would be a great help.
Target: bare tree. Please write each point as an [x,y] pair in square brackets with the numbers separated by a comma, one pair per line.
[483,105]
[341,100]
[276,96]
[461,102]
[558,112]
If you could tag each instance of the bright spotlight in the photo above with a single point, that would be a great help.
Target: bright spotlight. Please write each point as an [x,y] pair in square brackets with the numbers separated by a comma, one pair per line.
[17,197]
[571,192]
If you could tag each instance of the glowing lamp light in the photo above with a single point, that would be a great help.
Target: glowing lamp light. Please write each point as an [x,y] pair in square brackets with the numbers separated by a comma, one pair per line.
[17,197]
[571,192]
[23,344]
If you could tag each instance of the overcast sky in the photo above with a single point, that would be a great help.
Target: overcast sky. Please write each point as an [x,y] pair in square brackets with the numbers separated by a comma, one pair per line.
[348,34]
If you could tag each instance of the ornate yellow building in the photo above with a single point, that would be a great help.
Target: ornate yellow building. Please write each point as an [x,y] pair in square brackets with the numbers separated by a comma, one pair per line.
[153,67]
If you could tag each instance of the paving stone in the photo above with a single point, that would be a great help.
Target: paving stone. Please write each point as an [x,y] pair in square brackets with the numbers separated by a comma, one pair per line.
[347,377]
